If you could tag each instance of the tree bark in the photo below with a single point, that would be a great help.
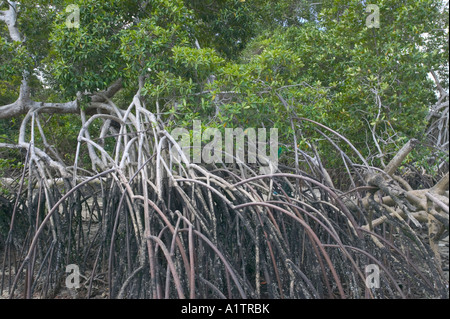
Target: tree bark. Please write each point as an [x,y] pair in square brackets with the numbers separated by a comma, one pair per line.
[10,18]
[400,156]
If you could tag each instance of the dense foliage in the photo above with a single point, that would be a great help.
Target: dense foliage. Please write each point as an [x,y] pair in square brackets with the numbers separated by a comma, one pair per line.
[242,63]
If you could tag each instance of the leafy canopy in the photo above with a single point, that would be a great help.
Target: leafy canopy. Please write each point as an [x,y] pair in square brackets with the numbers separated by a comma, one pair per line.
[260,63]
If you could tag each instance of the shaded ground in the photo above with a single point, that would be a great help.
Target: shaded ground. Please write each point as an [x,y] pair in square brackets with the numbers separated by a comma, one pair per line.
[99,286]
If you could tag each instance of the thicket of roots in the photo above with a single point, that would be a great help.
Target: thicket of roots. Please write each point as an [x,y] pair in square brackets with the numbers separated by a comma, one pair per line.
[147,225]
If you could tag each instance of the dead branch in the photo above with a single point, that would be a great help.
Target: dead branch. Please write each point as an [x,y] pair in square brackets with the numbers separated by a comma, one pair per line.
[400,157]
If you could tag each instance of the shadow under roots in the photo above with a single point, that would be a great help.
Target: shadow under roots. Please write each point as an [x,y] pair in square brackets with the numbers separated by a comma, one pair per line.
[215,235]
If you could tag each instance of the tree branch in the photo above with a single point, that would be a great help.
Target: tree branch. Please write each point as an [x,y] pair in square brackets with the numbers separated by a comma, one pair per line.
[439,203]
[42,156]
[21,107]
[400,156]
[442,185]
[10,18]
[24,104]
[438,83]
[108,93]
